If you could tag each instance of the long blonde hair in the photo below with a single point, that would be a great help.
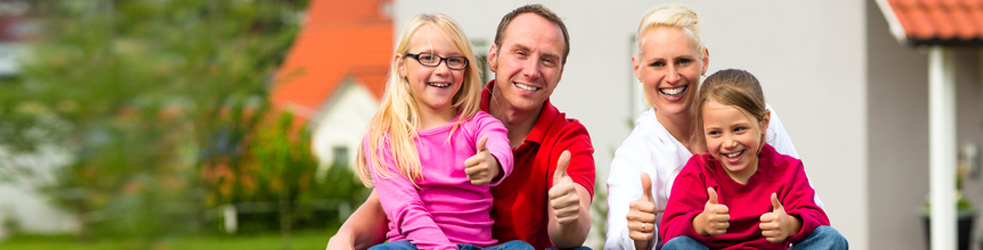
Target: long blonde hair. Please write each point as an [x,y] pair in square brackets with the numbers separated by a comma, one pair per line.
[398,116]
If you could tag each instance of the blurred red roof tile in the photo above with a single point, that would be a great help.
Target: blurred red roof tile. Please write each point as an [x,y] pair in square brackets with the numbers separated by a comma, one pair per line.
[937,21]
[339,39]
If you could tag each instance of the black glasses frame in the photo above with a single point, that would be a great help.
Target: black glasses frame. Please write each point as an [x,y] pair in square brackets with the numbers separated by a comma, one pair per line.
[442,59]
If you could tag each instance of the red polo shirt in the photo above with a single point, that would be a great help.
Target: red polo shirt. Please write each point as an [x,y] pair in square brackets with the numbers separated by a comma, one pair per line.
[522,199]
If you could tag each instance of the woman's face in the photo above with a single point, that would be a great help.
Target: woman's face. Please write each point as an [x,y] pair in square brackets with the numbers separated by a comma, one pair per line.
[669,67]
[433,87]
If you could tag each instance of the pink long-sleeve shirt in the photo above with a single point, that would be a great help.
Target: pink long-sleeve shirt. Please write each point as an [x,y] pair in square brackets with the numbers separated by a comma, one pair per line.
[445,209]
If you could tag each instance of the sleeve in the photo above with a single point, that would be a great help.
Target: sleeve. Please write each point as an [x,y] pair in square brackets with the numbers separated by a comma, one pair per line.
[797,200]
[624,186]
[687,200]
[497,144]
[777,137]
[574,138]
[402,204]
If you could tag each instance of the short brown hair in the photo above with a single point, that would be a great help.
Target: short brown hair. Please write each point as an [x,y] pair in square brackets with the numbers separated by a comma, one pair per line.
[543,12]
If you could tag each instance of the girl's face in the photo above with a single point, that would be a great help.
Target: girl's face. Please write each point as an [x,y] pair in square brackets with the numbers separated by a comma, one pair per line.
[733,137]
[669,67]
[433,87]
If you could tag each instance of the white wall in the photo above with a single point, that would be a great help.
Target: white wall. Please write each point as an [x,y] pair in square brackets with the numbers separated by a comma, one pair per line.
[809,55]
[342,122]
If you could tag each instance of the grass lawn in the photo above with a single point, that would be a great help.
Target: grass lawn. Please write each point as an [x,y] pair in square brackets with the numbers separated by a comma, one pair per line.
[299,240]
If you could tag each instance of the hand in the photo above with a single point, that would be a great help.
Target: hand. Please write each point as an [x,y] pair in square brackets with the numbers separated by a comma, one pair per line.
[641,216]
[482,168]
[777,225]
[563,195]
[714,219]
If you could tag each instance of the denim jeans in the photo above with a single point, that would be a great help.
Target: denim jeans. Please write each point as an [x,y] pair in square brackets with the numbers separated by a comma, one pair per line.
[823,237]
[406,245]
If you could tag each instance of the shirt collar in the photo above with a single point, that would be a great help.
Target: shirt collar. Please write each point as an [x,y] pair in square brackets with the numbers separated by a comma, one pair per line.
[547,115]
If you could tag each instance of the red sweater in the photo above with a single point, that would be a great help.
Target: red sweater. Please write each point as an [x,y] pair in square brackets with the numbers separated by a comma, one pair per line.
[776,173]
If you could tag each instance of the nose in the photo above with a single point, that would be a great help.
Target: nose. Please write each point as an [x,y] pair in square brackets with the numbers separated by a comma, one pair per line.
[442,68]
[531,69]
[673,75]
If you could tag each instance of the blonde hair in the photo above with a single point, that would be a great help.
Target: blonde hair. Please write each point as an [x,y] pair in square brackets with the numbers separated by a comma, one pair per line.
[398,116]
[672,16]
[733,87]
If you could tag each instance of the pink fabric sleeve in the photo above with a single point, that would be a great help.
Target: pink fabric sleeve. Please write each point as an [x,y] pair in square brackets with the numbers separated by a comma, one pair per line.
[403,205]
[497,144]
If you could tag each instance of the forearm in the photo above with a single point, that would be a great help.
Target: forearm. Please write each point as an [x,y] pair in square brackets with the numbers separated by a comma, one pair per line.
[363,229]
[573,234]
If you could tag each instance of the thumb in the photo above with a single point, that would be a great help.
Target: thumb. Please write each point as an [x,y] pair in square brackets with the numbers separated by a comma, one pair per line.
[774,202]
[481,143]
[646,187]
[561,166]
[713,195]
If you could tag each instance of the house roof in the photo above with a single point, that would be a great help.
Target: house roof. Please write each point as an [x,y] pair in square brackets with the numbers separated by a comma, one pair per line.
[339,39]
[935,22]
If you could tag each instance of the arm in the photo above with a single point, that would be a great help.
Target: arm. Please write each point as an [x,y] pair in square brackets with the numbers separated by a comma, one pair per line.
[402,204]
[363,229]
[624,187]
[798,203]
[688,199]
[571,187]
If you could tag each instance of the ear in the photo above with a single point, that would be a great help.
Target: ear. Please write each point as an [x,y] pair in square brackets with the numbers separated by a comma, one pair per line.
[706,61]
[635,65]
[764,122]
[400,64]
[492,57]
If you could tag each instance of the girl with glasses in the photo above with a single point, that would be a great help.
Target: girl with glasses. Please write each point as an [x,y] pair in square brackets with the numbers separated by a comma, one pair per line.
[429,152]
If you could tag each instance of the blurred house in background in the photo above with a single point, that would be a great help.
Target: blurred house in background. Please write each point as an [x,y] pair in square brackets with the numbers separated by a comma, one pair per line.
[336,73]
[22,207]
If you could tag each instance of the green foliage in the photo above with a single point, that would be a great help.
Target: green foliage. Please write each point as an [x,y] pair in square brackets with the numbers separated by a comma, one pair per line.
[143,96]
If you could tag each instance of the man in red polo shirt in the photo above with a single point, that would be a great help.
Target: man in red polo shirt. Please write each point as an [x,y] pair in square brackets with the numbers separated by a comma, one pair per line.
[546,200]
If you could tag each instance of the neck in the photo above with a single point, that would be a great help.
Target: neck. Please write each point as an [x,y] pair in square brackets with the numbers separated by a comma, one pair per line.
[517,121]
[743,176]
[681,128]
[432,118]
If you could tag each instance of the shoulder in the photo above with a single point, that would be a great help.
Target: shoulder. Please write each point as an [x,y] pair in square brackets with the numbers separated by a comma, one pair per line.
[780,163]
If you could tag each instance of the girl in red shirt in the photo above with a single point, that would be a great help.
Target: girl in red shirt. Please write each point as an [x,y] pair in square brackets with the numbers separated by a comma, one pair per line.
[741,193]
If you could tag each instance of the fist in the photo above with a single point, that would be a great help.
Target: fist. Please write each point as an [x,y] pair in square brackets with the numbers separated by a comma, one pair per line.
[777,226]
[641,213]
[715,217]
[481,168]
[563,195]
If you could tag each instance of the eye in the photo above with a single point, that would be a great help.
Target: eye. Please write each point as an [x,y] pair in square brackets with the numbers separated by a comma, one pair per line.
[457,60]
[685,61]
[549,62]
[426,57]
[740,129]
[713,133]
[658,64]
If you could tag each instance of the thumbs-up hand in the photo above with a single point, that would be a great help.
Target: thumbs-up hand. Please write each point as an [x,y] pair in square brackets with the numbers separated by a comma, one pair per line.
[715,218]
[641,216]
[776,226]
[563,195]
[482,167]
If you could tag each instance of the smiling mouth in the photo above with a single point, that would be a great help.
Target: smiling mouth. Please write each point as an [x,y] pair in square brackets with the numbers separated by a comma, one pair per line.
[674,92]
[439,85]
[734,154]
[526,87]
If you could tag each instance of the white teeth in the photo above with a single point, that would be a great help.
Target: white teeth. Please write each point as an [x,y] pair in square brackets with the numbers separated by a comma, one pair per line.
[673,92]
[734,154]
[439,85]
[525,87]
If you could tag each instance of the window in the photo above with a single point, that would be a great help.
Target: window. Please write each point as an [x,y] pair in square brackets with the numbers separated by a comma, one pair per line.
[340,156]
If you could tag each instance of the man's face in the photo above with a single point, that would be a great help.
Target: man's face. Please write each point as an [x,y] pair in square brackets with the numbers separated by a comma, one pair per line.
[529,62]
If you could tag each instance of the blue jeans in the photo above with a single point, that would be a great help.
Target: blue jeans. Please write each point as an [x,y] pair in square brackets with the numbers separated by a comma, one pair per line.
[823,237]
[406,245]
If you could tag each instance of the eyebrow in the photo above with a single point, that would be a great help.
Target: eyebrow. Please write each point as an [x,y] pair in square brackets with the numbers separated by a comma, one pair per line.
[544,54]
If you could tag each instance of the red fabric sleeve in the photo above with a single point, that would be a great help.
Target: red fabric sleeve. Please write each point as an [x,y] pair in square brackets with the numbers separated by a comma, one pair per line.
[798,200]
[687,199]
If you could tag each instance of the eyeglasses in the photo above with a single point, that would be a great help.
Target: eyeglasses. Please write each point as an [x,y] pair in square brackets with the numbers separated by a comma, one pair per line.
[433,60]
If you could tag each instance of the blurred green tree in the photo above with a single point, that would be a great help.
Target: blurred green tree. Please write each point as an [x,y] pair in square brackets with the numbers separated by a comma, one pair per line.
[148,99]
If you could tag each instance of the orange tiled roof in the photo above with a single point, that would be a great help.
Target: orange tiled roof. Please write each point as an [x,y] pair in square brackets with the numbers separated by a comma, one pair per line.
[944,22]
[339,39]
